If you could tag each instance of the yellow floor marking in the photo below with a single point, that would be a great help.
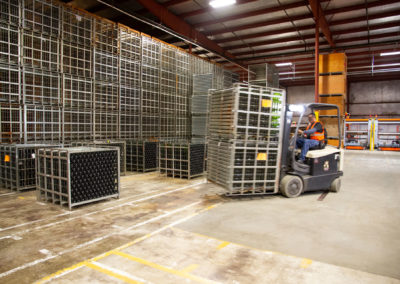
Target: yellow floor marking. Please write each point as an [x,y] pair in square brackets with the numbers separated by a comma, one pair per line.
[111,273]
[21,197]
[305,263]
[222,245]
[163,268]
[49,277]
[190,268]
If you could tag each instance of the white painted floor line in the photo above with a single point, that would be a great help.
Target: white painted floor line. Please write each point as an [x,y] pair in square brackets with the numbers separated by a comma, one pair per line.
[97,211]
[85,244]
[120,272]
[10,193]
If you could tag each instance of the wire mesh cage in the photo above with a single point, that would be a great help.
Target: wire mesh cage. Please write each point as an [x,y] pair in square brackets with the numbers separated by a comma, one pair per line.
[129,44]
[77,124]
[40,51]
[79,175]
[76,59]
[9,43]
[105,35]
[11,123]
[105,66]
[76,26]
[183,91]
[243,168]
[141,156]
[41,87]
[10,83]
[17,166]
[182,160]
[10,12]
[106,96]
[43,123]
[43,16]
[77,92]
[246,112]
[105,124]
[130,123]
[121,145]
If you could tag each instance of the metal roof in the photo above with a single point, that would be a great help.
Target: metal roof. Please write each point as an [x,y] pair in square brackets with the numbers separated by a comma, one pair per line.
[257,31]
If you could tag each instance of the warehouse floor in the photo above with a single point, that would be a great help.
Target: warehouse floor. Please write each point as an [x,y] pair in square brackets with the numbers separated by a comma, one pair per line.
[166,230]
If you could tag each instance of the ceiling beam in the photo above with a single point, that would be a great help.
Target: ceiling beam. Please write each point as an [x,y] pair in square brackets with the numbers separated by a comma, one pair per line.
[173,2]
[181,27]
[322,22]
[209,9]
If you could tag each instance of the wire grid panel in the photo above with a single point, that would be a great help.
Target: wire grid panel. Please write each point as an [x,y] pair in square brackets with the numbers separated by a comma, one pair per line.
[41,87]
[40,51]
[77,92]
[76,26]
[129,44]
[129,73]
[10,12]
[218,78]
[10,83]
[105,36]
[76,59]
[11,123]
[182,160]
[246,112]
[106,125]
[77,124]
[43,123]
[150,99]
[106,96]
[141,156]
[150,51]
[105,66]
[243,168]
[9,43]
[43,16]
[129,124]
[199,126]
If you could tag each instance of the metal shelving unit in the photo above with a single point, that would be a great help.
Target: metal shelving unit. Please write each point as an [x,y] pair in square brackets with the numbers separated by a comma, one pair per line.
[388,134]
[78,175]
[141,156]
[356,134]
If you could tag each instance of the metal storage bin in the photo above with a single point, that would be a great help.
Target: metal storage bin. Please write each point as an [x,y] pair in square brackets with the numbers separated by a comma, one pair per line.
[43,123]
[11,123]
[182,160]
[76,176]
[43,16]
[121,145]
[141,156]
[10,83]
[76,59]
[9,41]
[246,112]
[244,168]
[41,87]
[17,165]
[77,124]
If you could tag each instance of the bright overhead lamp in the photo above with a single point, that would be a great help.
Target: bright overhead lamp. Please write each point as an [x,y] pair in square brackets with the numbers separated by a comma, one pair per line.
[283,64]
[221,3]
[390,53]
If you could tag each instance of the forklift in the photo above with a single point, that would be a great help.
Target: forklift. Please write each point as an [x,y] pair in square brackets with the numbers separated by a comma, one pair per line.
[323,166]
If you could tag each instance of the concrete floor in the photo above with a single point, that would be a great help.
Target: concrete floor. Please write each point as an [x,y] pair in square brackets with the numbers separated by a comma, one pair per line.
[166,230]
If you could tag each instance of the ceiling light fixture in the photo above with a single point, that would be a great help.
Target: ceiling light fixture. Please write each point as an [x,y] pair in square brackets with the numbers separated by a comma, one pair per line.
[221,3]
[283,64]
[390,53]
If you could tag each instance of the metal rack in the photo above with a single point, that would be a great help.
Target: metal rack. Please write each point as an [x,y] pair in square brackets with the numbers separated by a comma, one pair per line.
[17,165]
[76,176]
[243,168]
[43,16]
[9,41]
[41,87]
[76,26]
[182,160]
[76,59]
[246,112]
[105,124]
[388,134]
[10,83]
[356,134]
[121,145]
[77,124]
[43,123]
[141,156]
[11,123]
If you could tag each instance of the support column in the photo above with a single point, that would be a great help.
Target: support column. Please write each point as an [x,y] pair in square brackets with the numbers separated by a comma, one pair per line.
[316,68]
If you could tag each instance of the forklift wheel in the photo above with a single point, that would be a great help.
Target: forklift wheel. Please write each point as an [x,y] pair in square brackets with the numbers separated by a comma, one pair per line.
[335,185]
[291,186]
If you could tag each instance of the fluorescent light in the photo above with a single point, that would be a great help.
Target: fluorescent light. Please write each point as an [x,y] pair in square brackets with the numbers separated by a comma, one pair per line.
[390,53]
[296,108]
[222,3]
[284,64]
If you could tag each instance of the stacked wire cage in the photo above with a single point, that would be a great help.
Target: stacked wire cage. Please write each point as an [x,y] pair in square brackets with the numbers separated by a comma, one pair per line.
[79,175]
[141,156]
[17,166]
[120,144]
[245,133]
[181,159]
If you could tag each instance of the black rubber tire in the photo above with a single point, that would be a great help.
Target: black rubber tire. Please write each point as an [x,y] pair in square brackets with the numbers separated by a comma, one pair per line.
[335,185]
[291,186]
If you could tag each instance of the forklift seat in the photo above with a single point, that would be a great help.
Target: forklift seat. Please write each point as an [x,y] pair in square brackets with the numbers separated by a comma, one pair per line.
[328,150]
